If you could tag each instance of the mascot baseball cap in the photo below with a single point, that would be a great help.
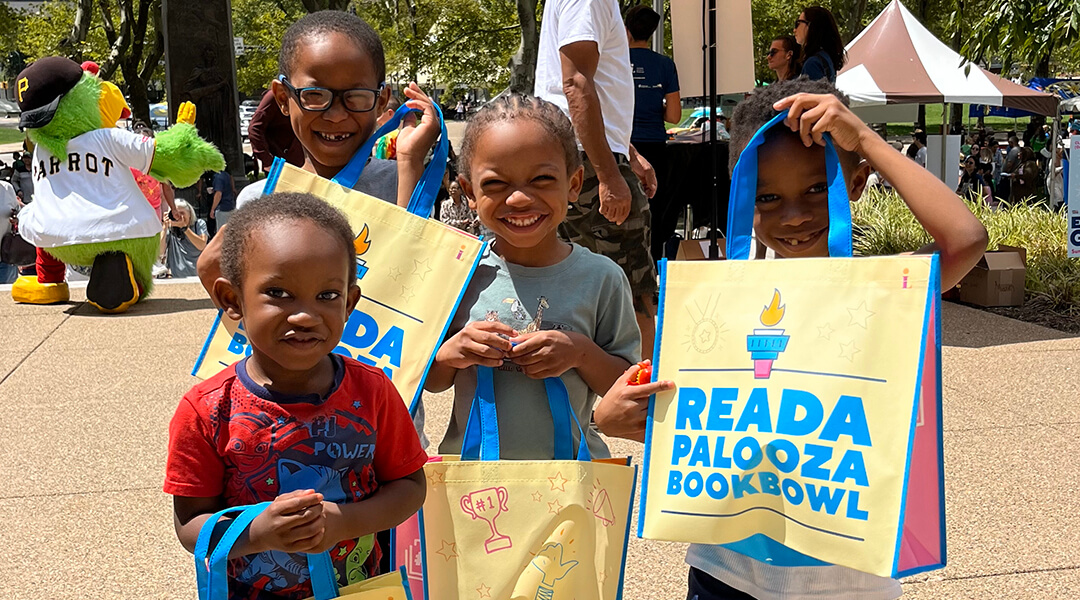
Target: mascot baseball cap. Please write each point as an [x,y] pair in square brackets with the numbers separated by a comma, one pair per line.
[40,87]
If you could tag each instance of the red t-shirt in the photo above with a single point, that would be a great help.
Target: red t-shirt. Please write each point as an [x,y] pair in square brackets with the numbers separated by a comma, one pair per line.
[234,438]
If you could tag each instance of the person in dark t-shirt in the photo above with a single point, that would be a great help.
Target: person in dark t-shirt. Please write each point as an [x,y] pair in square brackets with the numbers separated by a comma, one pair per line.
[656,100]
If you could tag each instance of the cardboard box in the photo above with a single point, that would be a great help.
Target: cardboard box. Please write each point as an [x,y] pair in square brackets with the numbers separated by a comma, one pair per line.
[997,280]
[698,249]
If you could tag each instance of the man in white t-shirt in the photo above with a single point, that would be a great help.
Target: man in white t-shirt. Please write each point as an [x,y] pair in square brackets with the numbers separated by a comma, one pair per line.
[583,67]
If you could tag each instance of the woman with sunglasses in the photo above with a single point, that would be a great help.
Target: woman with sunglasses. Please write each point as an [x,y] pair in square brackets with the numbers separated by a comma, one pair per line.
[822,48]
[783,57]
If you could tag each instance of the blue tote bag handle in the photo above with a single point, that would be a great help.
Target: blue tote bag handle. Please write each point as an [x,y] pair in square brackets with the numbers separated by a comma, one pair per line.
[743,196]
[211,566]
[423,197]
[481,440]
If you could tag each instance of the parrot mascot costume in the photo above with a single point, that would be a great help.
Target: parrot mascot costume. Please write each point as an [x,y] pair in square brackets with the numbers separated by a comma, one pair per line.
[87,209]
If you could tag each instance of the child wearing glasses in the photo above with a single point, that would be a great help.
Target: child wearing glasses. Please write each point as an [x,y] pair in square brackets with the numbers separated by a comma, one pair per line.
[331,88]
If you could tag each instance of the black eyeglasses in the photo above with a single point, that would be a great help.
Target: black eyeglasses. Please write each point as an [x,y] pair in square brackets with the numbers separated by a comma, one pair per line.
[772,52]
[803,21]
[318,99]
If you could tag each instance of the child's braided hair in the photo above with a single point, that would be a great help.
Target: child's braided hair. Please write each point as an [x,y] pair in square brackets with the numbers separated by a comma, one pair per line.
[518,106]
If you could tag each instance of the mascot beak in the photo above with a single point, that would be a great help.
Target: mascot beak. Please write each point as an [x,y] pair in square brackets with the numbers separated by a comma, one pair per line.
[112,105]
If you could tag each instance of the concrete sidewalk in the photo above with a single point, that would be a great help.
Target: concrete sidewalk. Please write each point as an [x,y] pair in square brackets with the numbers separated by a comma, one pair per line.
[85,402]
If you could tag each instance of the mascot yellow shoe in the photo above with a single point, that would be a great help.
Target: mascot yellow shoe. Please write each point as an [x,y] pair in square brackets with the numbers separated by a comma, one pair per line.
[88,209]
[27,290]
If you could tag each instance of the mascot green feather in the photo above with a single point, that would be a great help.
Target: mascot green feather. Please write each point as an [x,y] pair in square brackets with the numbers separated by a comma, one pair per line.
[87,208]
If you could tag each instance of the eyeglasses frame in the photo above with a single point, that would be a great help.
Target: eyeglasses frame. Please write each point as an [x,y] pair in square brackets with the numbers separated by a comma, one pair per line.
[334,95]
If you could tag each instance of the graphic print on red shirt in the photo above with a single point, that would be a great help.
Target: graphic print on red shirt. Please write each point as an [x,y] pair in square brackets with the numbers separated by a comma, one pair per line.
[234,438]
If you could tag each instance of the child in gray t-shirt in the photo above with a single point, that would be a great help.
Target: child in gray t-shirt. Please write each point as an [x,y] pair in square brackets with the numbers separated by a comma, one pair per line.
[537,306]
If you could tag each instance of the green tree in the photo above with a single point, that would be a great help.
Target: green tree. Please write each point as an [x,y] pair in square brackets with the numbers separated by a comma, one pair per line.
[450,42]
[1028,34]
[262,25]
[122,36]
[47,29]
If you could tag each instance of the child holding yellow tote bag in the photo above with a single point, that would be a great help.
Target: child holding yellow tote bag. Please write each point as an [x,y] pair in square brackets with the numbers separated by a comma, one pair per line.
[800,156]
[523,515]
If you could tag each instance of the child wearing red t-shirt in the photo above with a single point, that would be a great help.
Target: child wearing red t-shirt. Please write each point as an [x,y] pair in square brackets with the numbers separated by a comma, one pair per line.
[326,438]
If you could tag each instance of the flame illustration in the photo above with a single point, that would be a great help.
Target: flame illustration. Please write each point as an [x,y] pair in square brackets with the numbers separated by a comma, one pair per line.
[361,242]
[774,312]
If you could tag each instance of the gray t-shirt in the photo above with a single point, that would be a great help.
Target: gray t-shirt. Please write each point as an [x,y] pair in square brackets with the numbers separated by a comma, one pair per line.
[180,254]
[379,179]
[586,293]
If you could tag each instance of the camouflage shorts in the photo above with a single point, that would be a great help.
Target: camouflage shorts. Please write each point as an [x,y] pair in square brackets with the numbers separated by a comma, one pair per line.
[627,244]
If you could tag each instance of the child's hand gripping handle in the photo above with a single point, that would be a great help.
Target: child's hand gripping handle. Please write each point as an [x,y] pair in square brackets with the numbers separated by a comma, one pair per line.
[422,201]
[743,196]
[211,566]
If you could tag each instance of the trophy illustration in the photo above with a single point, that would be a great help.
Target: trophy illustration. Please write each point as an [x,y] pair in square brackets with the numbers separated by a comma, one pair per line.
[488,504]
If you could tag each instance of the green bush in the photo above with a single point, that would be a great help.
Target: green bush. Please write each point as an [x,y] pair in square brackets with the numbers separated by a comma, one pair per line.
[884,225]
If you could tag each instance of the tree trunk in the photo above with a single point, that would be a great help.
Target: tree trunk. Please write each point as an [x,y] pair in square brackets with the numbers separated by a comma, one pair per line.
[84,12]
[1042,69]
[415,48]
[133,74]
[854,21]
[523,63]
[920,121]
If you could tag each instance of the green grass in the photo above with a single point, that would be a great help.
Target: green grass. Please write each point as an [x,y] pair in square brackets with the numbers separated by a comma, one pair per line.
[10,136]
[885,226]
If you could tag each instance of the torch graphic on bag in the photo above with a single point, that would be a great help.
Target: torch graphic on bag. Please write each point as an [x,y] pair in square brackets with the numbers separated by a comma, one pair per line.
[765,345]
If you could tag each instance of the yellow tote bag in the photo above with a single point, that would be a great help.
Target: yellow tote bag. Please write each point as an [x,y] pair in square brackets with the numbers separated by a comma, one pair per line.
[412,273]
[525,530]
[384,587]
[806,424]
[211,564]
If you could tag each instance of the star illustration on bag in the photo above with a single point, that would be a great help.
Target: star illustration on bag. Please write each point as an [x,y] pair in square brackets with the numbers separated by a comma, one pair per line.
[394,273]
[849,350]
[860,315]
[825,332]
[558,482]
[484,591]
[537,496]
[407,293]
[421,268]
[436,477]
[555,507]
[448,550]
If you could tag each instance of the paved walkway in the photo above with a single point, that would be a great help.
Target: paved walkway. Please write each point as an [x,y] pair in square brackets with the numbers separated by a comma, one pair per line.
[85,402]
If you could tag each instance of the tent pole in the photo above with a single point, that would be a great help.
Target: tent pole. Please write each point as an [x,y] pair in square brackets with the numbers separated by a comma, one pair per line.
[944,141]
[714,249]
[1054,136]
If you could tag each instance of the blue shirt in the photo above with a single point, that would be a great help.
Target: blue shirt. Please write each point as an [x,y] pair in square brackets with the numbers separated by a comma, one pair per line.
[820,66]
[223,183]
[654,77]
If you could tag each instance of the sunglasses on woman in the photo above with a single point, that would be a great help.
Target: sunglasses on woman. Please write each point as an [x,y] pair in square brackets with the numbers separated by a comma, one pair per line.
[801,21]
[319,99]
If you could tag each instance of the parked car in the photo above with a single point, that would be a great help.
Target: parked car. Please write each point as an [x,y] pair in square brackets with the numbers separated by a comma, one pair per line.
[246,113]
[9,108]
[159,116]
